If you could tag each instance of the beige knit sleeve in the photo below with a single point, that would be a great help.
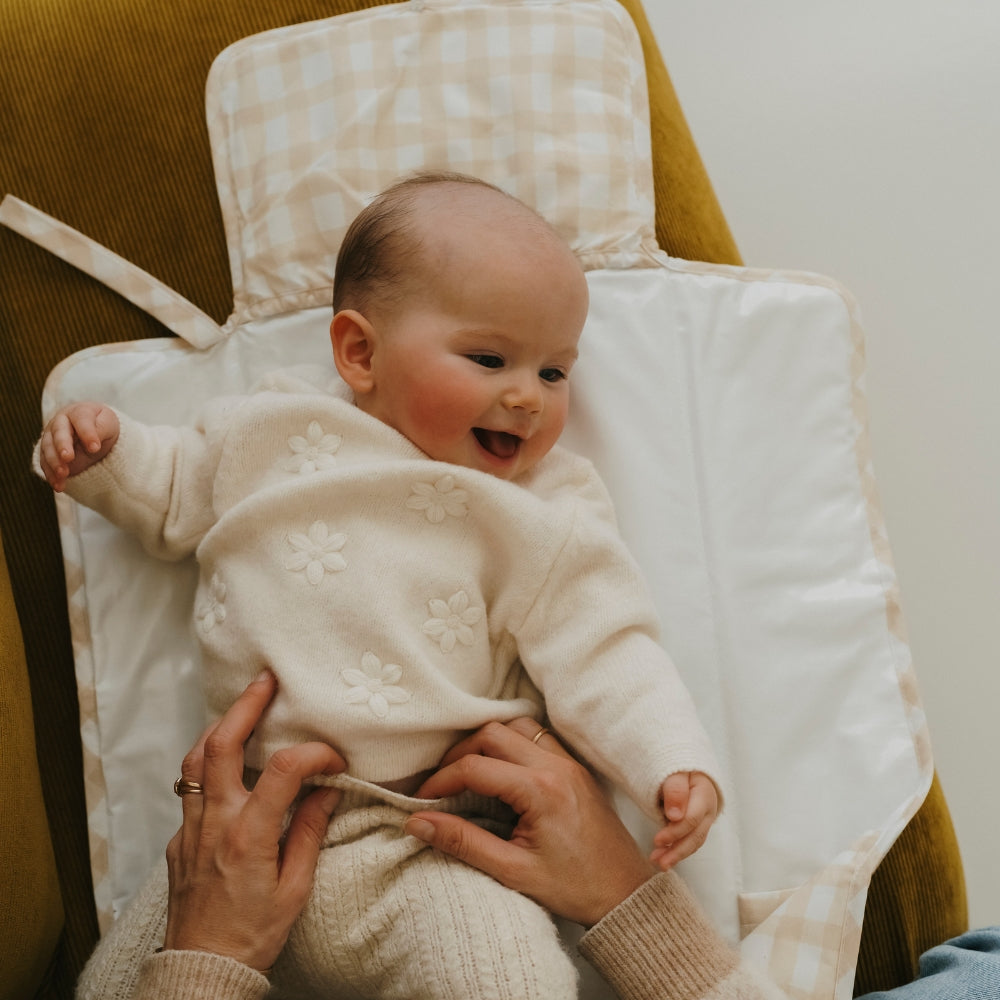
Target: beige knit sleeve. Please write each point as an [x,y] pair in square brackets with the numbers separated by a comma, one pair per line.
[196,975]
[156,484]
[590,643]
[658,945]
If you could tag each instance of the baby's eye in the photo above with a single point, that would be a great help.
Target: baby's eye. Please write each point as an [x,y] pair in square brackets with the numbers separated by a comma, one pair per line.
[553,374]
[487,360]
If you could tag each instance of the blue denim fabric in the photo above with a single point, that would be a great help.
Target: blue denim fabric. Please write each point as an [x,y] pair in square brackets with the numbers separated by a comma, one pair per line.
[965,968]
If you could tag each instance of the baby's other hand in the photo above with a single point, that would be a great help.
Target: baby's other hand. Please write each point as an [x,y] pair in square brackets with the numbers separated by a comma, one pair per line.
[77,437]
[690,805]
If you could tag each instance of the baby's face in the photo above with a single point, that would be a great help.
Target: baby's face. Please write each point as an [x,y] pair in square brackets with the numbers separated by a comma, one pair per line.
[475,371]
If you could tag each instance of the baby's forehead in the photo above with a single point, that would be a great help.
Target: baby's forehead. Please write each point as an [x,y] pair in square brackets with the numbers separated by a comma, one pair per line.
[454,207]
[468,235]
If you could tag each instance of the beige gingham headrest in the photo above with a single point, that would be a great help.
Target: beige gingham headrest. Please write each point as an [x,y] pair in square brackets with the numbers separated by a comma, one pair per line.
[546,99]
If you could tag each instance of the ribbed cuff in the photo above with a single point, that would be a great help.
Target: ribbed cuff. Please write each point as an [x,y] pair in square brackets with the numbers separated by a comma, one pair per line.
[197,975]
[658,945]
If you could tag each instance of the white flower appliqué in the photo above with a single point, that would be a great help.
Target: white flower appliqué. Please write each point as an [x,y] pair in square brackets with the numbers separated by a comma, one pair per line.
[211,610]
[375,685]
[314,452]
[317,553]
[452,621]
[438,500]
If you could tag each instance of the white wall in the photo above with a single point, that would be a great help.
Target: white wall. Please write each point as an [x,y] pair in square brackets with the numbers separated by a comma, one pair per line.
[862,140]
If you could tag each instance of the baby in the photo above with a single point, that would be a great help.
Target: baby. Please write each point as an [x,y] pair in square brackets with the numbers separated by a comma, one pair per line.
[413,556]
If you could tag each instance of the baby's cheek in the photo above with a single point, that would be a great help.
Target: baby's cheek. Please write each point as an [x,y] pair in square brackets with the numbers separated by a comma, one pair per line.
[443,412]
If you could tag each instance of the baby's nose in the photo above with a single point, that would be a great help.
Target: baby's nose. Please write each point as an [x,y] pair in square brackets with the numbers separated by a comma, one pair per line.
[524,393]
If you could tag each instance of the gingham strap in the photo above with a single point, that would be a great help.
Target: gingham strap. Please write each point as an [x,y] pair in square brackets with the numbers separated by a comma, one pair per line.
[131,282]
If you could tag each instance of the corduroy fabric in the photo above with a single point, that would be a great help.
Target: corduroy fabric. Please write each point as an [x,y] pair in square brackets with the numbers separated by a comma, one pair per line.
[102,126]
[689,219]
[916,900]
[31,916]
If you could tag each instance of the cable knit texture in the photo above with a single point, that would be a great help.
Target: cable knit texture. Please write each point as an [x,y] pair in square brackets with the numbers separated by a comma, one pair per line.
[127,966]
[390,917]
[656,945]
[112,970]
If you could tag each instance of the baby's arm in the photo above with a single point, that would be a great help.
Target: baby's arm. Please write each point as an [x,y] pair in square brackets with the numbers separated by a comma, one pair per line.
[77,437]
[690,805]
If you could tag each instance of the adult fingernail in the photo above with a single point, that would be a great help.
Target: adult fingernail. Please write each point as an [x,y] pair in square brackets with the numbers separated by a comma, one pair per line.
[420,829]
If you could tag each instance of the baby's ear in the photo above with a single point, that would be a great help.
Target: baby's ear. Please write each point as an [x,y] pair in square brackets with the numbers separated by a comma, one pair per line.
[353,341]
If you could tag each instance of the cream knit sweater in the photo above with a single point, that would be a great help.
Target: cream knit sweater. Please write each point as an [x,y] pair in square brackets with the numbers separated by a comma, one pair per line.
[401,601]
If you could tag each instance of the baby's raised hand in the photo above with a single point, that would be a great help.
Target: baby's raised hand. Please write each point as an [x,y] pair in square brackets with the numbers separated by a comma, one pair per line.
[77,437]
[690,805]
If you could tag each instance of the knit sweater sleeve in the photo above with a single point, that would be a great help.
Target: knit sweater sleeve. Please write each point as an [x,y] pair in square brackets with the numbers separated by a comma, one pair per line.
[196,975]
[658,945]
[155,483]
[591,644]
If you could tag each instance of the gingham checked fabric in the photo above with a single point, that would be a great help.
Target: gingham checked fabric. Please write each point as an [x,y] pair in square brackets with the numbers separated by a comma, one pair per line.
[809,942]
[308,123]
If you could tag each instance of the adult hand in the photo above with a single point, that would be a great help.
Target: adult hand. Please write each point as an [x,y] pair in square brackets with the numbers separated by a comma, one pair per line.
[569,851]
[238,880]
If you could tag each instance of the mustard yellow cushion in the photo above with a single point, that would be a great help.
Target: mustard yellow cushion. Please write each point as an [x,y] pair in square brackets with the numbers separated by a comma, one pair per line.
[31,916]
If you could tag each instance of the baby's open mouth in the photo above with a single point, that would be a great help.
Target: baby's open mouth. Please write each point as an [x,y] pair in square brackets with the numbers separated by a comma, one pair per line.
[498,443]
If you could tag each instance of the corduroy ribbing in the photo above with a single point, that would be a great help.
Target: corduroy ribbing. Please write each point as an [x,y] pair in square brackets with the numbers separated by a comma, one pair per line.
[689,219]
[31,916]
[917,899]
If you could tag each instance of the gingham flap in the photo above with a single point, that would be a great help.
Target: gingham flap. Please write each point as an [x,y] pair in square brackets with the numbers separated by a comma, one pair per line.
[547,100]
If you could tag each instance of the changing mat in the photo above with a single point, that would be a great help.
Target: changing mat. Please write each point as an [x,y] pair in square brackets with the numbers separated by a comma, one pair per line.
[723,406]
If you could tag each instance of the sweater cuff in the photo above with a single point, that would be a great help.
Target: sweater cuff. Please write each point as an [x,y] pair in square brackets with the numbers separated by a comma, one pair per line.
[658,945]
[197,975]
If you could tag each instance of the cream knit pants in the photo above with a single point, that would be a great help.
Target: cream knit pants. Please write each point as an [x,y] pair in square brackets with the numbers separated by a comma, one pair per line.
[388,918]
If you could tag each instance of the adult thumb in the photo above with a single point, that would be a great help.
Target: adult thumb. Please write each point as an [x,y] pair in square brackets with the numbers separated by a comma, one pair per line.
[461,839]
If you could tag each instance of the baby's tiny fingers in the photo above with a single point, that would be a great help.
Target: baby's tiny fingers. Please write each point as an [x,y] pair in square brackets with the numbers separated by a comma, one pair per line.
[52,465]
[675,791]
[669,835]
[60,433]
[666,857]
[85,426]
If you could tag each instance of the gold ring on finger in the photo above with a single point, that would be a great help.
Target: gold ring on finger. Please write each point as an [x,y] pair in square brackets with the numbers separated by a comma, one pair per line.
[184,786]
